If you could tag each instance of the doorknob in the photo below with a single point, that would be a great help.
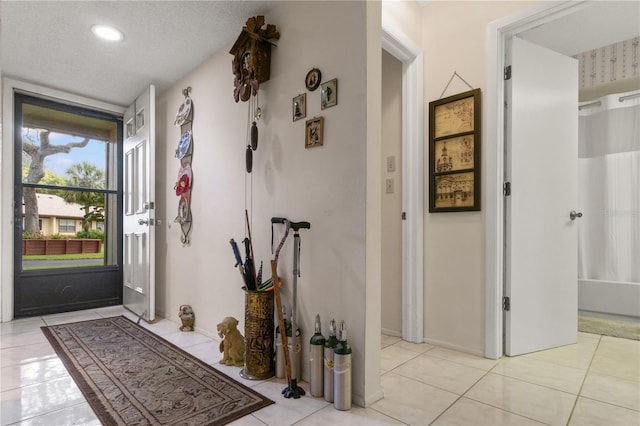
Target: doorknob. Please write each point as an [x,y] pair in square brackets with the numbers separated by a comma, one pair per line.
[143,221]
[573,215]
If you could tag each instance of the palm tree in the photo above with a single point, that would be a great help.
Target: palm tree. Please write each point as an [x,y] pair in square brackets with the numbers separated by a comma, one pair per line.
[86,175]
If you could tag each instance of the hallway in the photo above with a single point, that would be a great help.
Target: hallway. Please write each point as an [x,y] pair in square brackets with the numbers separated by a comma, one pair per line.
[596,381]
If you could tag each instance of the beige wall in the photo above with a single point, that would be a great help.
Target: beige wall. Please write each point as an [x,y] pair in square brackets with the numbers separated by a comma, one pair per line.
[391,311]
[324,185]
[405,14]
[454,38]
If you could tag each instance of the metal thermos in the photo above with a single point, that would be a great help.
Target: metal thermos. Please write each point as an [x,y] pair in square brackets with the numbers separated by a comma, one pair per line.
[279,353]
[295,352]
[329,345]
[342,372]
[295,346]
[316,357]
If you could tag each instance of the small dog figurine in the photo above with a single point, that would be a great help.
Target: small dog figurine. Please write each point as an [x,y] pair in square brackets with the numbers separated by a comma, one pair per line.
[187,317]
[232,345]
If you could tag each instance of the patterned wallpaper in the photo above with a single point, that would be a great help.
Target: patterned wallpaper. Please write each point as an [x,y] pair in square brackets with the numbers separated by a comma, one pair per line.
[617,61]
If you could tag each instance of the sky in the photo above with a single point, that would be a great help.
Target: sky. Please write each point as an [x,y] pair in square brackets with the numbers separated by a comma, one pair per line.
[94,153]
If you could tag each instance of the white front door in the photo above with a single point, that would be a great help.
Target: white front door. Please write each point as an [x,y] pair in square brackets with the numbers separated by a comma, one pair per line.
[541,161]
[139,206]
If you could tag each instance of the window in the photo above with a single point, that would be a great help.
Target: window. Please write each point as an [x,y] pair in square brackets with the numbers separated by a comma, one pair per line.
[66,226]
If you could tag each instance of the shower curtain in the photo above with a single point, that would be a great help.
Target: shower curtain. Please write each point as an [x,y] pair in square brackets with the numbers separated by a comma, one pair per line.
[609,188]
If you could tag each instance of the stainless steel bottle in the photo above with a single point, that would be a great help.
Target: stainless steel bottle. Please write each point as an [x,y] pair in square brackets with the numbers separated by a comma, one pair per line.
[329,345]
[316,358]
[342,371]
[280,373]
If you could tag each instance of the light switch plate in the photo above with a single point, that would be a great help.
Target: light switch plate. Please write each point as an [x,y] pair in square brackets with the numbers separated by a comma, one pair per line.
[389,185]
[391,164]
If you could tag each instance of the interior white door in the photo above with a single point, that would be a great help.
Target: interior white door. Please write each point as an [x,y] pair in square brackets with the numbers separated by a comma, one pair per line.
[139,206]
[541,163]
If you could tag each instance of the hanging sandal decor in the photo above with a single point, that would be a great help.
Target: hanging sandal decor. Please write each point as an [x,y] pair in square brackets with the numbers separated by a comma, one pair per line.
[184,152]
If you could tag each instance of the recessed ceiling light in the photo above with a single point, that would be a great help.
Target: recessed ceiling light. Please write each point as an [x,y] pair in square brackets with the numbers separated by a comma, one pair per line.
[106,32]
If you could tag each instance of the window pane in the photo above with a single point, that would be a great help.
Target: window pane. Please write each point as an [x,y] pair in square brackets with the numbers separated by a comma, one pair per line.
[64,149]
[67,226]
[62,229]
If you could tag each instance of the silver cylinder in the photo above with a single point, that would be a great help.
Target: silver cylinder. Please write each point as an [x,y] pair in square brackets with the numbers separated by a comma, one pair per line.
[295,345]
[342,382]
[316,358]
[279,357]
[295,351]
[328,374]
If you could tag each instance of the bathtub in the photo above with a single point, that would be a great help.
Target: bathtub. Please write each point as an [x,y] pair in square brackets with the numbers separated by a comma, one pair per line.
[607,297]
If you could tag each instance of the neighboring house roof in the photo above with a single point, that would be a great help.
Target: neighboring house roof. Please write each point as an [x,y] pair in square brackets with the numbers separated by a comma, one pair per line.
[52,205]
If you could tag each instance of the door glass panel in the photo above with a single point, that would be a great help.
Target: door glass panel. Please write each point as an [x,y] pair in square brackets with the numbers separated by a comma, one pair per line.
[69,189]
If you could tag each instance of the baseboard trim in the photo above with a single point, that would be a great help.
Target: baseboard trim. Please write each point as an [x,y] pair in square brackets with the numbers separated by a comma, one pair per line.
[448,345]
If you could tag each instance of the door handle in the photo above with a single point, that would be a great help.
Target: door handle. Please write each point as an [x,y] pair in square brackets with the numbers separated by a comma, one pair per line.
[143,222]
[573,215]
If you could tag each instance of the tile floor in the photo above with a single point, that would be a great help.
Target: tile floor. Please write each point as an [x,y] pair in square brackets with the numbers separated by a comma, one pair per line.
[594,382]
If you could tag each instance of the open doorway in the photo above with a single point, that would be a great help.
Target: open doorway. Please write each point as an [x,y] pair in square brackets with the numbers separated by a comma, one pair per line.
[604,24]
[67,193]
[395,43]
[391,312]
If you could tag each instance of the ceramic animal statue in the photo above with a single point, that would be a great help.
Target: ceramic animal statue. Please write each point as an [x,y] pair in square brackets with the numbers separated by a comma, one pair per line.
[187,317]
[232,345]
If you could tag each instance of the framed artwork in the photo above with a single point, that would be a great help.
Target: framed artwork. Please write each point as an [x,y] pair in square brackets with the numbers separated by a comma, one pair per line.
[329,93]
[454,153]
[314,130]
[313,79]
[299,107]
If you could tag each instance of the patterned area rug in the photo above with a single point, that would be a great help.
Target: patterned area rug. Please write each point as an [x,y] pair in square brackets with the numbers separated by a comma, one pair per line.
[130,376]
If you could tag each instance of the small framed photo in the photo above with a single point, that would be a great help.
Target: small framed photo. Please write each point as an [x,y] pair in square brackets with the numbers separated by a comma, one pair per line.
[312,80]
[329,93]
[314,130]
[299,107]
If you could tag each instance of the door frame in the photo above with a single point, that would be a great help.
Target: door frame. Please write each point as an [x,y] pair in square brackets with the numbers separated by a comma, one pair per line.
[402,48]
[9,87]
[498,32]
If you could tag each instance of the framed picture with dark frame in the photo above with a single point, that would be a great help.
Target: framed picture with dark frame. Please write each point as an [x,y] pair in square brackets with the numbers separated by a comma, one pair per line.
[454,153]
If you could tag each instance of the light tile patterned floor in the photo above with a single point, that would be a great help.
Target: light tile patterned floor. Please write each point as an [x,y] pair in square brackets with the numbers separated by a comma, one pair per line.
[594,382]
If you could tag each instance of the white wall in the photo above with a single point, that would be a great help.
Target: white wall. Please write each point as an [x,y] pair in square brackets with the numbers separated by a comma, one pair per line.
[454,38]
[324,185]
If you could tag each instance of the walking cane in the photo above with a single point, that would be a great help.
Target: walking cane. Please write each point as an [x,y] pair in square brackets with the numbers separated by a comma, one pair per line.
[293,390]
[276,290]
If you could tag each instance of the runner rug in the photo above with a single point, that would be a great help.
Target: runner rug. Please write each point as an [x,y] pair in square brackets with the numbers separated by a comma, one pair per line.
[130,376]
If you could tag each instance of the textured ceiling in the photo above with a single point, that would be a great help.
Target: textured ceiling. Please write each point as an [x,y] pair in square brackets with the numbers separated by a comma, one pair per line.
[50,42]
[596,24]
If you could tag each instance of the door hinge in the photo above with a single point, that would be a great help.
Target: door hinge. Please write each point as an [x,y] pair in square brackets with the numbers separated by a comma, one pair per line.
[506,304]
[506,189]
[507,72]
[404,215]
